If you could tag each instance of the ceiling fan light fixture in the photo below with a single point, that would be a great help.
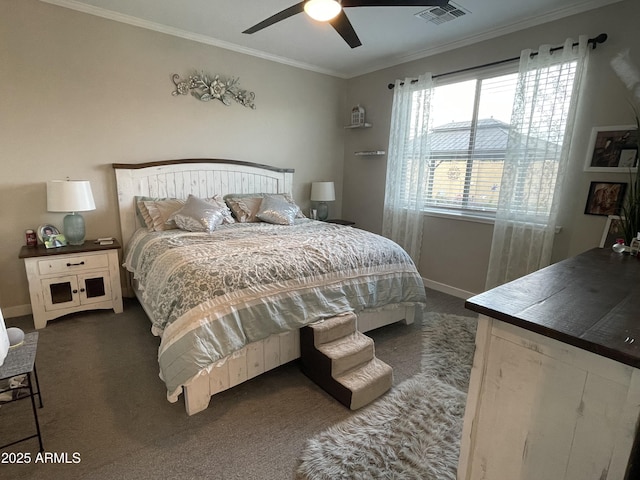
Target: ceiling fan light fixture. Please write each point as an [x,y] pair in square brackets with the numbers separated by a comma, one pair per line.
[322,10]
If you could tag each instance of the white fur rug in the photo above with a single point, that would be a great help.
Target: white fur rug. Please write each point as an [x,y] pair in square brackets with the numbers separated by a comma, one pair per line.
[414,431]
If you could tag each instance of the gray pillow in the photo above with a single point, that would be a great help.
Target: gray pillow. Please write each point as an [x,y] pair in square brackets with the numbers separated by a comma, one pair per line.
[245,206]
[197,215]
[219,202]
[275,209]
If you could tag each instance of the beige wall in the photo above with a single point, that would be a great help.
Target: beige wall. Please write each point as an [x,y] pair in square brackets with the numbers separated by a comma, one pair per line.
[454,252]
[80,92]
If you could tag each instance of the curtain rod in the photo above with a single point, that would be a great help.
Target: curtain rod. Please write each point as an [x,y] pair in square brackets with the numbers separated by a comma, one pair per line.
[593,41]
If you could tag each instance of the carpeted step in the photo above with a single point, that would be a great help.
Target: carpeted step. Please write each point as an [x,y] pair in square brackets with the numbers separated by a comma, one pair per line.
[367,382]
[342,361]
[333,328]
[348,352]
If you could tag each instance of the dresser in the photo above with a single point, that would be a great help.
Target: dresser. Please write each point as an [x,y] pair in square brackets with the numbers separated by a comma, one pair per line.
[71,279]
[555,385]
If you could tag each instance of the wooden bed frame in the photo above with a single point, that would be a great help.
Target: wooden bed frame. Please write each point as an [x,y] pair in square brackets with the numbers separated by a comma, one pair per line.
[205,178]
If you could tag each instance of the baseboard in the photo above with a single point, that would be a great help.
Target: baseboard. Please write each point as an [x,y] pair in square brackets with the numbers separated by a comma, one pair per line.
[16,311]
[448,289]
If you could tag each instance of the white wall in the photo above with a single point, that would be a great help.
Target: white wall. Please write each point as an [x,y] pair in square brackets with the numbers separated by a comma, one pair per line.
[81,92]
[455,253]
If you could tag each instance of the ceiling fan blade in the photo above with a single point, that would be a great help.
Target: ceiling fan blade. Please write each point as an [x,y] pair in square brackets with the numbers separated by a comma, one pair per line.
[343,26]
[283,15]
[391,3]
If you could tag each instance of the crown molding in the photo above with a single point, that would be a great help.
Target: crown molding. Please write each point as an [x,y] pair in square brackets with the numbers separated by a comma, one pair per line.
[195,37]
[380,65]
[488,35]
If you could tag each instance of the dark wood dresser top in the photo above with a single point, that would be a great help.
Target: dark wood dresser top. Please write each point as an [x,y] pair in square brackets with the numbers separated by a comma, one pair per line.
[42,251]
[591,301]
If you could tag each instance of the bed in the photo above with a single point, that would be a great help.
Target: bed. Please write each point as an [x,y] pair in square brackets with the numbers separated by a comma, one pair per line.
[247,288]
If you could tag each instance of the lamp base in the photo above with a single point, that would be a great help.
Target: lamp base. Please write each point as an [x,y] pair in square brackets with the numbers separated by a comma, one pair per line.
[73,228]
[323,211]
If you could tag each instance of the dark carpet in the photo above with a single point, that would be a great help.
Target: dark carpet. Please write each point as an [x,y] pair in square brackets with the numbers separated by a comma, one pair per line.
[104,402]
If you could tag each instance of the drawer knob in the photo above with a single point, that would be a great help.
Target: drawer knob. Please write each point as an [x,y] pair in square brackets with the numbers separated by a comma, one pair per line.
[75,291]
[75,264]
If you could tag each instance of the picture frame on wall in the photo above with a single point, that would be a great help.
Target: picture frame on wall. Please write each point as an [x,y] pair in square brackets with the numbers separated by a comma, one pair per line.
[612,231]
[605,198]
[613,149]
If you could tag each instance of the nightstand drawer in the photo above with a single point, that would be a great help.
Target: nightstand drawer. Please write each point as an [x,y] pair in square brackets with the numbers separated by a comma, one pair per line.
[70,264]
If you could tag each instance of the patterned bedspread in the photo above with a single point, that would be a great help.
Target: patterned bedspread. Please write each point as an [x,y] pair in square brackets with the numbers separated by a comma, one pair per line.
[210,294]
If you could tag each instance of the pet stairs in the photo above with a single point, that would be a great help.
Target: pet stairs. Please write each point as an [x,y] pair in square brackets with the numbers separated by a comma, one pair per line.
[342,361]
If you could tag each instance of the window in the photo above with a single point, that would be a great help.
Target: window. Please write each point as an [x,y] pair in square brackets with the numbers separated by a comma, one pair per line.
[468,133]
[469,129]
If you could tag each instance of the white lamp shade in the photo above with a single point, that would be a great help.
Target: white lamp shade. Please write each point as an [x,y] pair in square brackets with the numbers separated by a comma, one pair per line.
[323,192]
[322,10]
[69,196]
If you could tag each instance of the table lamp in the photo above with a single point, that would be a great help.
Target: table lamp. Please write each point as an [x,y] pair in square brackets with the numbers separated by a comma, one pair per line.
[71,196]
[323,192]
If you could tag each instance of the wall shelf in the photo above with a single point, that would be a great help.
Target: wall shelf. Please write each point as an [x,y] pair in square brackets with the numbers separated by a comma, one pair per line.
[370,153]
[359,125]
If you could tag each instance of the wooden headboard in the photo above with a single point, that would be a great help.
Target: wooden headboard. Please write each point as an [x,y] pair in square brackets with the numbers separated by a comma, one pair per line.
[200,177]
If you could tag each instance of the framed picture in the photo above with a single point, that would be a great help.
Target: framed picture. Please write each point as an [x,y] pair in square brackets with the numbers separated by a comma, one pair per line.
[613,149]
[605,198]
[612,231]
[50,236]
[55,241]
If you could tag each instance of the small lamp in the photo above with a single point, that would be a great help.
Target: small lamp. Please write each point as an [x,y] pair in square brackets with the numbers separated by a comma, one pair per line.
[323,192]
[71,196]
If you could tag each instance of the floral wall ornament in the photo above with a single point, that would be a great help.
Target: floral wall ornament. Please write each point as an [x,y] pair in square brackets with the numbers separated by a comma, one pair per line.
[206,88]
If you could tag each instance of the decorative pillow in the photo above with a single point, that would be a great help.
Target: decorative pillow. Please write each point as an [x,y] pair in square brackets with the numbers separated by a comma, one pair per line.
[140,217]
[245,209]
[197,215]
[142,213]
[219,202]
[158,212]
[245,206]
[275,209]
[173,204]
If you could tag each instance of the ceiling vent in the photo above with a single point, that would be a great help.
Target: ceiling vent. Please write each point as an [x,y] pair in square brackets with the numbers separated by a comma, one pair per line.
[443,14]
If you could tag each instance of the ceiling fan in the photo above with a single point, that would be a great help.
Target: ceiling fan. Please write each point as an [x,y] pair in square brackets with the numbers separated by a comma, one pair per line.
[332,11]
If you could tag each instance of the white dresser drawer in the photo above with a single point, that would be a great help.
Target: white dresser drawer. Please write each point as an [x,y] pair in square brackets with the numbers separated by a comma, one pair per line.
[71,264]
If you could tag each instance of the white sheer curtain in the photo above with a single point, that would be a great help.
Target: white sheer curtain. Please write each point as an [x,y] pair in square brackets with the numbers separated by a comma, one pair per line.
[536,160]
[406,165]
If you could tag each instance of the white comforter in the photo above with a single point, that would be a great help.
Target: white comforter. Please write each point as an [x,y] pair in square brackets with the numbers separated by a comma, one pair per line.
[208,295]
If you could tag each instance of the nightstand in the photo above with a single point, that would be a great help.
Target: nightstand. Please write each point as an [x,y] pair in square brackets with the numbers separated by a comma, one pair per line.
[72,279]
[339,221]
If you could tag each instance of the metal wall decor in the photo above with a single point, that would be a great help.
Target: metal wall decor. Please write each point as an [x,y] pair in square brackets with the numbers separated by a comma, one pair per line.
[205,88]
